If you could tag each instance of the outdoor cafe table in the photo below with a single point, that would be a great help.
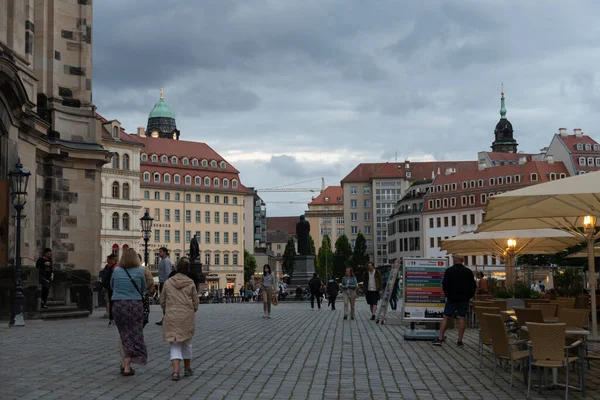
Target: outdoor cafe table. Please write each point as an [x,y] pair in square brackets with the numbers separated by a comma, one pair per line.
[569,330]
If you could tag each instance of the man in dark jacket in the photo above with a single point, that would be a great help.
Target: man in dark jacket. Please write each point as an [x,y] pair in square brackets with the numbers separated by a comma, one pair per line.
[332,292]
[46,274]
[315,291]
[459,287]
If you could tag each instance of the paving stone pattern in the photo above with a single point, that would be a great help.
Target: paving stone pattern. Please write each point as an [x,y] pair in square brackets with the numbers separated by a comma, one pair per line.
[298,354]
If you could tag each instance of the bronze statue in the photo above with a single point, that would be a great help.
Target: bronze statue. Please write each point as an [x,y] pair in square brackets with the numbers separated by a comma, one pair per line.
[194,249]
[302,235]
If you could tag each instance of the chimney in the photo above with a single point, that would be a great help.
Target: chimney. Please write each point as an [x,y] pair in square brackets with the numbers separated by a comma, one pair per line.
[522,160]
[481,166]
[562,132]
[141,131]
[406,164]
[577,132]
[550,159]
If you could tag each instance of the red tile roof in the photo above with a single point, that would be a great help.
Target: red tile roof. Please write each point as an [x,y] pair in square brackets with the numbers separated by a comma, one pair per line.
[479,182]
[571,141]
[586,167]
[285,224]
[123,136]
[514,157]
[329,197]
[365,172]
[174,170]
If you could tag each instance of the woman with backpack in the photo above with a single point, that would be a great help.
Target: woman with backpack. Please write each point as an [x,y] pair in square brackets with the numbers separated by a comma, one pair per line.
[179,300]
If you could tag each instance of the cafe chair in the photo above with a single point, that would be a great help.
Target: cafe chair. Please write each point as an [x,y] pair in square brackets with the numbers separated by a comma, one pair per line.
[485,333]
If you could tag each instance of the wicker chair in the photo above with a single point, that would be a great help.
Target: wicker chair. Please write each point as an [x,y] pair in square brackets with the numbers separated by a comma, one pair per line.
[547,350]
[573,317]
[485,334]
[569,302]
[474,304]
[502,304]
[525,315]
[502,347]
[548,310]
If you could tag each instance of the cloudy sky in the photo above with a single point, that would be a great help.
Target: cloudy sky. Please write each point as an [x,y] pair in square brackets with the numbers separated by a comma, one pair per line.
[293,90]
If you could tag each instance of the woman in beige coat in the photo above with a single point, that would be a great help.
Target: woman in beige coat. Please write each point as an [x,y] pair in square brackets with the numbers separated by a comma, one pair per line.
[179,300]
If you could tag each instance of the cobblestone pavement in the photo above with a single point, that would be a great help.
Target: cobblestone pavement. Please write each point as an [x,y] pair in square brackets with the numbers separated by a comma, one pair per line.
[300,354]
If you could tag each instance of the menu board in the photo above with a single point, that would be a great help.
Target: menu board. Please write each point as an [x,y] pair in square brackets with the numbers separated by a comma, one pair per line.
[424,299]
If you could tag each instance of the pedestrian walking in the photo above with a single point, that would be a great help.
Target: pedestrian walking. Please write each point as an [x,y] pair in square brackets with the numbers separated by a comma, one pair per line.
[128,283]
[459,287]
[267,285]
[106,275]
[164,270]
[46,274]
[179,301]
[332,292]
[372,282]
[314,284]
[394,295]
[349,285]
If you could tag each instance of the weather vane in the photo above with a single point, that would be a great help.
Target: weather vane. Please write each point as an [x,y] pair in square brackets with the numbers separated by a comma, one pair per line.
[161,93]
[502,92]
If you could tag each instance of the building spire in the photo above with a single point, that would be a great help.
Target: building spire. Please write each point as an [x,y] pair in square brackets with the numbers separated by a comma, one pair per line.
[502,107]
[161,93]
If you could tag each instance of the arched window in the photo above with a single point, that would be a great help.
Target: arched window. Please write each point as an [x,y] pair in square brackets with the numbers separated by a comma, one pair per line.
[154,158]
[156,177]
[185,161]
[582,161]
[126,162]
[197,181]
[207,181]
[177,179]
[144,157]
[225,183]
[188,180]
[115,132]
[223,165]
[164,159]
[146,176]
[204,163]
[195,162]
[213,164]
[115,190]
[173,160]
[126,191]
[590,161]
[216,182]
[167,178]
[115,249]
[115,220]
[234,184]
[115,161]
[125,222]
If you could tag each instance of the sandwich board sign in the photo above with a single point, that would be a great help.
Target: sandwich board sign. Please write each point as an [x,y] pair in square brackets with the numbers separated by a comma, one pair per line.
[424,299]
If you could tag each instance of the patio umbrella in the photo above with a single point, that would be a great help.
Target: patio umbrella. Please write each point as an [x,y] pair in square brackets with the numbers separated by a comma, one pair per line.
[571,204]
[585,253]
[510,244]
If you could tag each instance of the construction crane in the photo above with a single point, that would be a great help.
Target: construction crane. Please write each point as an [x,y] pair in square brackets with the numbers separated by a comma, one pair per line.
[281,189]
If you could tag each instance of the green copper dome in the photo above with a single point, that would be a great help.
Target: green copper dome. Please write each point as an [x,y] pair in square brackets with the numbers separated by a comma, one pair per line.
[161,110]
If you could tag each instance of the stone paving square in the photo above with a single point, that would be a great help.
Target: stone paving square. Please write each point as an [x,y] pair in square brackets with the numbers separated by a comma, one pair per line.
[298,354]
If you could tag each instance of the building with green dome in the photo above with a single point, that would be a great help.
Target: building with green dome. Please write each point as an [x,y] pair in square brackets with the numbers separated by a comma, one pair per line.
[161,121]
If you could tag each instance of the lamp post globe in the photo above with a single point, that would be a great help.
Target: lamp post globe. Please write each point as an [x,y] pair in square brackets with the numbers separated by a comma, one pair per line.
[146,225]
[19,178]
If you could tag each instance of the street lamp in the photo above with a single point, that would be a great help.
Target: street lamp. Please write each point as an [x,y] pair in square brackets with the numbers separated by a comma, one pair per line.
[324,227]
[146,222]
[19,178]
[589,228]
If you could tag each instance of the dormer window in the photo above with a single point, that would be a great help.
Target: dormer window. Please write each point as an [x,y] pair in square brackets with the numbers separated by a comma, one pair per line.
[480,183]
[195,162]
[197,181]
[188,180]
[453,202]
[465,185]
[326,199]
[483,198]
[154,158]
[446,187]
[508,180]
[408,174]
[225,183]
[445,202]
[492,181]
[164,159]
[472,184]
[590,161]
[216,182]
[552,176]
[207,181]
[454,186]
[115,132]
[340,198]
[597,162]
[534,177]
[144,157]
[167,178]
[500,180]
[156,177]
[596,147]
[579,146]
[234,184]
[223,165]
[588,146]
[213,164]
[173,160]
[185,161]
[582,161]
[563,175]
[146,176]
[204,163]
[517,178]
[177,179]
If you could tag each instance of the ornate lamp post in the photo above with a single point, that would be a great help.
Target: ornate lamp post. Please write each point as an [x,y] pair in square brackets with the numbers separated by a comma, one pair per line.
[146,222]
[589,229]
[324,228]
[19,178]
[511,273]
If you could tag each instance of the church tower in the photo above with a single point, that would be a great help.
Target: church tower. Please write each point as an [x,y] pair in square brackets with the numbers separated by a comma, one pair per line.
[504,141]
[161,121]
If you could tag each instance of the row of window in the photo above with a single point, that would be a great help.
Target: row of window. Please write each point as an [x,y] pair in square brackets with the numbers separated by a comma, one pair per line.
[121,222]
[467,219]
[119,192]
[354,216]
[366,190]
[184,161]
[198,181]
[404,244]
[197,216]
[216,258]
[118,163]
[327,232]
[327,221]
[354,203]
[469,200]
[188,197]
[404,225]
[215,236]
[354,230]
[588,146]
[590,161]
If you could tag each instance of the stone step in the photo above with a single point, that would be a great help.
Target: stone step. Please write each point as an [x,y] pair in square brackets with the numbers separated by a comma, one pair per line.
[52,308]
[55,303]
[66,314]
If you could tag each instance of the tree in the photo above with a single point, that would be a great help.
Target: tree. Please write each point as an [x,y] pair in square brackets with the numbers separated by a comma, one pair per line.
[343,256]
[312,245]
[289,257]
[325,259]
[249,266]
[360,257]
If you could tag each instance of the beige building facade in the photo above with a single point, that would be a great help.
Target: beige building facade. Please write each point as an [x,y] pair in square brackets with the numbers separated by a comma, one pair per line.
[326,216]
[47,121]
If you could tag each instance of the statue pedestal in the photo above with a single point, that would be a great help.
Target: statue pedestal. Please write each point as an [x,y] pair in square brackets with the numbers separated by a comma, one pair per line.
[304,268]
[196,267]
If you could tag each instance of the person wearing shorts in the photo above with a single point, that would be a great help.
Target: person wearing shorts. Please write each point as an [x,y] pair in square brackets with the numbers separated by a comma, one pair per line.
[459,287]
